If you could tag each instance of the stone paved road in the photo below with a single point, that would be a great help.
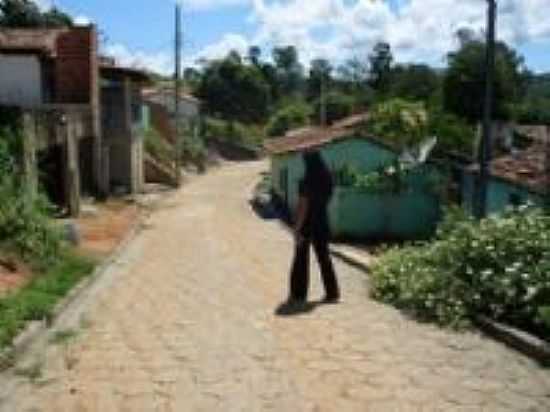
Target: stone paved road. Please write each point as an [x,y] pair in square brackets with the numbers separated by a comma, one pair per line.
[185,322]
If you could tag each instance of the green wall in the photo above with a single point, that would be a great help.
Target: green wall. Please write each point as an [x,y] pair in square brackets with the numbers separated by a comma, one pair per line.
[363,154]
[499,194]
[354,213]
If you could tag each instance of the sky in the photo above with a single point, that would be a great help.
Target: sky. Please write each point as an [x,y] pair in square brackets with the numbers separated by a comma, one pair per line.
[141,32]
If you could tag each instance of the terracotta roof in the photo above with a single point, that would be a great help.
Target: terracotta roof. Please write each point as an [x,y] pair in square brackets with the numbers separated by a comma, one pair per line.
[310,137]
[30,40]
[540,133]
[136,74]
[526,168]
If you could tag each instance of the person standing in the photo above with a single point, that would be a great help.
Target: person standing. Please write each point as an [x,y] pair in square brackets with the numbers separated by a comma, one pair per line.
[312,228]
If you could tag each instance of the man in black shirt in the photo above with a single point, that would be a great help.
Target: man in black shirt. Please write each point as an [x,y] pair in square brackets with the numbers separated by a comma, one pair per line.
[312,228]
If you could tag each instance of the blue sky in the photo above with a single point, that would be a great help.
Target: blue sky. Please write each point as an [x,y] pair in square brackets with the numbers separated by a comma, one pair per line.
[140,32]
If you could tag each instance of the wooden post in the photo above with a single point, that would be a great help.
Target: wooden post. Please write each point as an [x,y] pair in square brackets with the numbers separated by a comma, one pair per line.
[72,170]
[29,155]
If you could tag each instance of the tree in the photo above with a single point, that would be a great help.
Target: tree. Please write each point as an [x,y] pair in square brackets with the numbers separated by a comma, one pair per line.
[290,72]
[380,59]
[414,82]
[463,87]
[319,77]
[254,55]
[25,13]
[192,77]
[234,90]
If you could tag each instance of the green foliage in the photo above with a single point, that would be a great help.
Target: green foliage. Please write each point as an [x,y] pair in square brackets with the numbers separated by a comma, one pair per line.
[399,122]
[414,82]
[381,59]
[238,133]
[391,178]
[499,267]
[287,118]
[534,110]
[158,147]
[26,13]
[234,90]
[337,105]
[37,300]
[25,227]
[464,83]
[454,135]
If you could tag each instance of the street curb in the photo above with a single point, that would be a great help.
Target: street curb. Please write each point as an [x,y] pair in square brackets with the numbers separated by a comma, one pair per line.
[521,341]
[349,259]
[34,329]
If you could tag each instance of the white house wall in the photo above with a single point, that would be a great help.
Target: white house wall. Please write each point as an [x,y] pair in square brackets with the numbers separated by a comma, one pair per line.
[20,80]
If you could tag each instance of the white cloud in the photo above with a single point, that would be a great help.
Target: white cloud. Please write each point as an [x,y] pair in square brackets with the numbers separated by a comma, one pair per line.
[160,62]
[202,5]
[82,20]
[220,49]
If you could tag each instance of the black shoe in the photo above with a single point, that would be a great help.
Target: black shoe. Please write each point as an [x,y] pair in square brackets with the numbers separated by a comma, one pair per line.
[330,300]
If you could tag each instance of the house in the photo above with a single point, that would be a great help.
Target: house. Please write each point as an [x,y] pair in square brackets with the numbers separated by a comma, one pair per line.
[124,121]
[353,213]
[162,100]
[514,179]
[53,74]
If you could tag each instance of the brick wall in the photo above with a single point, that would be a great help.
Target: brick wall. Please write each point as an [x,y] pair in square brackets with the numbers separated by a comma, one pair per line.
[76,66]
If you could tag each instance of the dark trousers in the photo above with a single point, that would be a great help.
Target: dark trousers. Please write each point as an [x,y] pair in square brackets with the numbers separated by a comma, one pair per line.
[299,276]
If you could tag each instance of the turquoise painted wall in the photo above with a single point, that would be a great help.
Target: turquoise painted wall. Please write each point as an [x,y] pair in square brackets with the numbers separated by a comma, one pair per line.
[354,213]
[359,215]
[363,154]
[499,194]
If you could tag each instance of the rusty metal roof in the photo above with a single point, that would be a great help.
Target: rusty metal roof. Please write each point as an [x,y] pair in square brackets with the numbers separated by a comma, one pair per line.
[526,168]
[310,137]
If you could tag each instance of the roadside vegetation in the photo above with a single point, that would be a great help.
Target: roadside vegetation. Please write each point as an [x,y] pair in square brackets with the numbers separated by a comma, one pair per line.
[499,268]
[28,236]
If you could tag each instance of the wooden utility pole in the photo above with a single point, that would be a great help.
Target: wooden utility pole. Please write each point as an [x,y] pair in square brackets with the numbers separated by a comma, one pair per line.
[485,152]
[177,85]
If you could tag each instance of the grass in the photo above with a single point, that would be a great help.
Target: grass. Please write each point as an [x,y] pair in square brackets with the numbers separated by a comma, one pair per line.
[37,300]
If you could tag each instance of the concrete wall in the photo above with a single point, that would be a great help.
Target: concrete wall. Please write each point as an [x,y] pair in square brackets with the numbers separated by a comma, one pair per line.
[21,82]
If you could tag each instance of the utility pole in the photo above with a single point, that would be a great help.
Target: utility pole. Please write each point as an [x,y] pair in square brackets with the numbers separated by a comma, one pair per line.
[323,102]
[177,85]
[485,150]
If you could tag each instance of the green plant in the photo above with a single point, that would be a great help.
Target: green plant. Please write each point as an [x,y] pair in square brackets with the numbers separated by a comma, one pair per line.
[25,227]
[158,147]
[287,118]
[337,106]
[499,267]
[37,300]
[400,122]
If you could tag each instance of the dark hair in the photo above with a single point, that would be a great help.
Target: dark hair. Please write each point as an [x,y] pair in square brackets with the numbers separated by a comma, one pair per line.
[317,172]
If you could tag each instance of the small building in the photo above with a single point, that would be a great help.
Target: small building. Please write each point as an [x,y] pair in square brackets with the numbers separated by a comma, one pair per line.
[353,213]
[188,109]
[124,121]
[52,74]
[514,179]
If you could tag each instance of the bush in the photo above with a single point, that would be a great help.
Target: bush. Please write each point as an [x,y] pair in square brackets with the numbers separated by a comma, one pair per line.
[454,134]
[235,132]
[400,122]
[25,227]
[499,267]
[338,106]
[159,148]
[287,118]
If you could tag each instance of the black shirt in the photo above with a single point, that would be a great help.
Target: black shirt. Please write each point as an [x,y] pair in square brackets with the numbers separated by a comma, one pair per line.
[318,193]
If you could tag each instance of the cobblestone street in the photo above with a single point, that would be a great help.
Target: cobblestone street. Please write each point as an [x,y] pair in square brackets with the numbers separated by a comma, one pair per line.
[184,321]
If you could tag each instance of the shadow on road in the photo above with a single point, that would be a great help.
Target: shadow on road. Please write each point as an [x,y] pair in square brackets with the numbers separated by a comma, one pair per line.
[299,308]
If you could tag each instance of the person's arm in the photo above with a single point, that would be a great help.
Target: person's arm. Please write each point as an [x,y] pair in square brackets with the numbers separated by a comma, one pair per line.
[301,212]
